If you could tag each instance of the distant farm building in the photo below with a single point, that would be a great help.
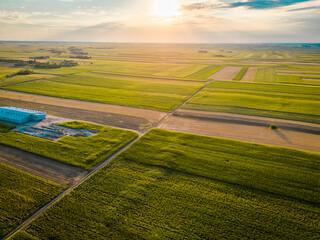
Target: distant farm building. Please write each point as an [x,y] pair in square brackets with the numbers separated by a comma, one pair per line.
[20,115]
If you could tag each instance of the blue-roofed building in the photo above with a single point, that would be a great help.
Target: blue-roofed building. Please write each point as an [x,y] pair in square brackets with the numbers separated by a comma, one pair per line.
[20,115]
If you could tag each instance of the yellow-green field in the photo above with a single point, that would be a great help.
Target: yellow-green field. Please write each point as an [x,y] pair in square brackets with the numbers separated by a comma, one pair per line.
[162,77]
[172,185]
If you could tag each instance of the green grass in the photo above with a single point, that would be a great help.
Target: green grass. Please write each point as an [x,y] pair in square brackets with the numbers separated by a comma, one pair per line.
[84,152]
[131,68]
[172,185]
[5,128]
[293,102]
[240,74]
[21,195]
[265,74]
[163,95]
[294,79]
[181,71]
[206,72]
[7,71]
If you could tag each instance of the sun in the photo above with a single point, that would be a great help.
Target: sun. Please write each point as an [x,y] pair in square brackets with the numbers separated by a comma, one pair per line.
[166,8]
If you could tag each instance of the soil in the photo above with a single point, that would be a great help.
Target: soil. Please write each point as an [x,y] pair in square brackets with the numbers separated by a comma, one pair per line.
[254,134]
[226,73]
[250,74]
[6,64]
[264,55]
[109,119]
[40,166]
[250,120]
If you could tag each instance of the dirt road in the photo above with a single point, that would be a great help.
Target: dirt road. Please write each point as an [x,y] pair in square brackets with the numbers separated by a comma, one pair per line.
[40,166]
[254,134]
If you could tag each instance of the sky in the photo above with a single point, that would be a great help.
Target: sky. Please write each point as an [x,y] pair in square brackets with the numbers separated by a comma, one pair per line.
[178,21]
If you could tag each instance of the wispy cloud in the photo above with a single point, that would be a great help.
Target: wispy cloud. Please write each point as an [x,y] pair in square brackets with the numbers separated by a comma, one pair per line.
[264,4]
[201,5]
[305,9]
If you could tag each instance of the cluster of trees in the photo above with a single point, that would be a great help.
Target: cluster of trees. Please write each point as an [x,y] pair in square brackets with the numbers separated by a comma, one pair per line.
[21,72]
[77,51]
[35,64]
[40,57]
[80,56]
[12,60]
[58,51]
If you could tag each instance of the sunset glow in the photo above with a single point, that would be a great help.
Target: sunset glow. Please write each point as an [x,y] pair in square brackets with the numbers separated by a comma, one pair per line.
[166,8]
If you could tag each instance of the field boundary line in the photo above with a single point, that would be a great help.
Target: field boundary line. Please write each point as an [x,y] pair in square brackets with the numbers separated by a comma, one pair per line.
[155,125]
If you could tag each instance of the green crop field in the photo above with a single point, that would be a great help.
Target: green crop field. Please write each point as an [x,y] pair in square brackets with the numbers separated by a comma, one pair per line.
[206,72]
[173,185]
[21,195]
[162,95]
[158,77]
[6,71]
[84,152]
[240,74]
[294,102]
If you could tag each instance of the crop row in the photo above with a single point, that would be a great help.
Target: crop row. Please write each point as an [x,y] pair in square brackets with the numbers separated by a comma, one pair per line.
[21,195]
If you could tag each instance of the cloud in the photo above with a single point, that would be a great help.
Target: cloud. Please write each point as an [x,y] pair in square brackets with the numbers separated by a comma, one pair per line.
[75,0]
[201,5]
[305,8]
[263,4]
[97,32]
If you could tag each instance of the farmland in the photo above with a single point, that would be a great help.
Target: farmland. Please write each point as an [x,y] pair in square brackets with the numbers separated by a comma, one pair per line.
[158,184]
[175,185]
[163,95]
[84,152]
[21,195]
[268,100]
[162,77]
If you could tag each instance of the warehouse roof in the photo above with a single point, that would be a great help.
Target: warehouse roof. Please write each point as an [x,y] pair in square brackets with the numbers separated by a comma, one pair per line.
[22,110]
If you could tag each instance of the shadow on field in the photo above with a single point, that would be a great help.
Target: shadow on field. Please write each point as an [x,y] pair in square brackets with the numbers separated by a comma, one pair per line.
[281,135]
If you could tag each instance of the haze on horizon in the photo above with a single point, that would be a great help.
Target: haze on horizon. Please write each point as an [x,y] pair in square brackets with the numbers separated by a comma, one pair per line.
[183,21]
